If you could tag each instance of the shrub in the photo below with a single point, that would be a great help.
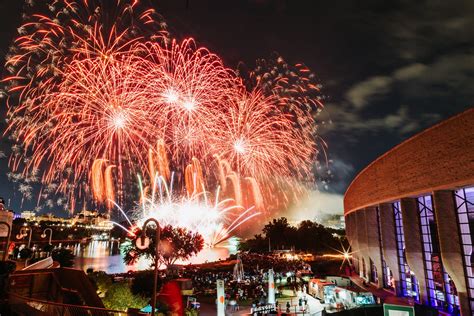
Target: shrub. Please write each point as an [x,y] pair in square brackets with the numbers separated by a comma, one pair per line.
[64,256]
[120,297]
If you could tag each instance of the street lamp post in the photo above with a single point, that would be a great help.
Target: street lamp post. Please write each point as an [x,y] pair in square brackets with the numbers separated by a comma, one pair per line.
[43,235]
[8,238]
[23,233]
[144,242]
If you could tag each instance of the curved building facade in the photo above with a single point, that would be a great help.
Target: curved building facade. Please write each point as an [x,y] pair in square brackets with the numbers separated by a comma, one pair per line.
[410,217]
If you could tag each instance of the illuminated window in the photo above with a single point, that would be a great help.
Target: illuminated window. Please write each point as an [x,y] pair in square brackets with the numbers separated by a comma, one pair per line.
[374,278]
[440,288]
[408,283]
[465,210]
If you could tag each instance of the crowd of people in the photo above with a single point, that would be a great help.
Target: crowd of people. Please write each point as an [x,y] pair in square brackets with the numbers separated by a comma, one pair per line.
[251,289]
[255,262]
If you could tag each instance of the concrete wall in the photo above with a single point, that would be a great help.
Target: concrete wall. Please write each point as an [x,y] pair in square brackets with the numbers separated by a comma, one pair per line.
[373,242]
[353,236]
[363,244]
[389,242]
[418,165]
[413,244]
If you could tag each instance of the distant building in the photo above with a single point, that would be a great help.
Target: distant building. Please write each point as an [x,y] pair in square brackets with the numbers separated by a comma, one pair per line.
[410,217]
[93,218]
[51,218]
[28,215]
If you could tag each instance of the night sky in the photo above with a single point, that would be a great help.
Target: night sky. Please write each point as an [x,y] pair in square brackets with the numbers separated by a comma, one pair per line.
[389,69]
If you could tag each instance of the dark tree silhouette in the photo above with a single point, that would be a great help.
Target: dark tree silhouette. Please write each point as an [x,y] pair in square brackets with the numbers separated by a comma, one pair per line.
[281,233]
[308,236]
[64,256]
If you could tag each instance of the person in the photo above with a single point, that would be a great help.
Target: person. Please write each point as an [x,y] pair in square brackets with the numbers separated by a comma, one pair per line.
[232,304]
[288,306]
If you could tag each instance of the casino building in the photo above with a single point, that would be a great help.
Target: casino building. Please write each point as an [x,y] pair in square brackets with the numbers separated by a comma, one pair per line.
[410,217]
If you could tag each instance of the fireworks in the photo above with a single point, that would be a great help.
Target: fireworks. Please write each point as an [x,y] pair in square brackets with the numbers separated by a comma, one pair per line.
[259,140]
[296,89]
[214,219]
[189,86]
[72,55]
[96,98]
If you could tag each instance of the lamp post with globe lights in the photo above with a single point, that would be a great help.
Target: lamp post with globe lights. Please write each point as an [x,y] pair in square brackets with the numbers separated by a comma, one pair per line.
[23,233]
[143,243]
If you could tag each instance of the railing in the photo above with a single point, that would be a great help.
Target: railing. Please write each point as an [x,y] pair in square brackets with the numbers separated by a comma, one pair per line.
[31,306]
[41,264]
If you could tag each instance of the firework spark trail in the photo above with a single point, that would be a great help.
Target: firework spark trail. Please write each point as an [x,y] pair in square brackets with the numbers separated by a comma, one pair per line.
[158,161]
[109,186]
[255,193]
[97,180]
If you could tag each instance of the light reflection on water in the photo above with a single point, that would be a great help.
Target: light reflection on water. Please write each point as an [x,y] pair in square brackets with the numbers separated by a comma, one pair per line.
[106,256]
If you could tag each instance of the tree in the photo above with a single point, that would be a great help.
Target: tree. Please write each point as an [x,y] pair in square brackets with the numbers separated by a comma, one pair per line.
[280,232]
[176,243]
[308,236]
[64,256]
[255,244]
[120,297]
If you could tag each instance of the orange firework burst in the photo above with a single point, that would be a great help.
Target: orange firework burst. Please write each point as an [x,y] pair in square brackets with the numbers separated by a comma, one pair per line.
[100,110]
[259,140]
